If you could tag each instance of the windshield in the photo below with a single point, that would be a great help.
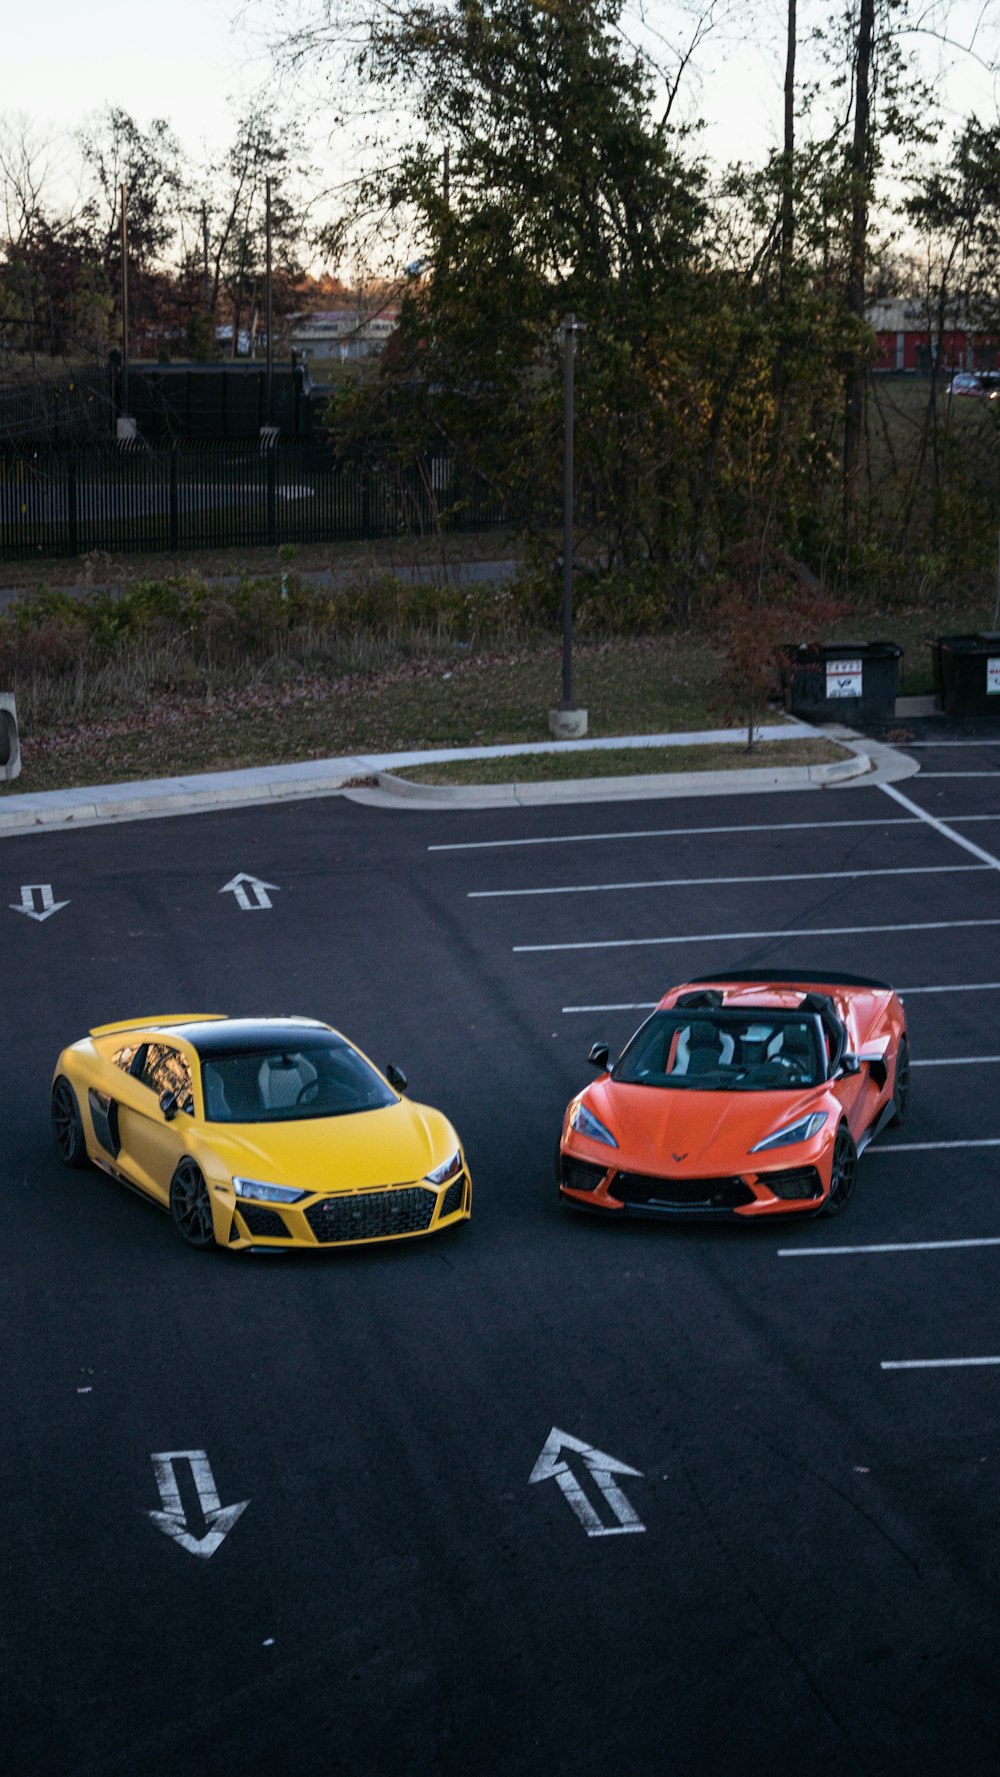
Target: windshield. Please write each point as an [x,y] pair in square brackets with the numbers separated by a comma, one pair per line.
[721,1051]
[318,1077]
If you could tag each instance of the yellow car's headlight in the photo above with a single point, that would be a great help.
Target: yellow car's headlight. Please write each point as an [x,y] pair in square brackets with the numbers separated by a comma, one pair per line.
[448,1169]
[265,1193]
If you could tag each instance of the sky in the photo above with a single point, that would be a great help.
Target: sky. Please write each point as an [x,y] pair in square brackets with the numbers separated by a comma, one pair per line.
[102,52]
[96,52]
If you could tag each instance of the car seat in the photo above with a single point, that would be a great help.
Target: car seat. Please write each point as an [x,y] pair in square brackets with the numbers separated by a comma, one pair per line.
[702,1049]
[282,1080]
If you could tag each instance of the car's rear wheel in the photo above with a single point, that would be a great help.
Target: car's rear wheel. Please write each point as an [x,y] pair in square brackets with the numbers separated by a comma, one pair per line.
[901,1083]
[190,1205]
[67,1124]
[843,1173]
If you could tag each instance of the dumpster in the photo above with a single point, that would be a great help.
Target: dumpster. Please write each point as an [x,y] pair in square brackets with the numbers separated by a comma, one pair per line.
[10,750]
[967,673]
[842,681]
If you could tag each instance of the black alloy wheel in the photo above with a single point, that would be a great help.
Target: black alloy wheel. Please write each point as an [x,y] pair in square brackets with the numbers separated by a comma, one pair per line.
[843,1173]
[901,1084]
[67,1124]
[190,1205]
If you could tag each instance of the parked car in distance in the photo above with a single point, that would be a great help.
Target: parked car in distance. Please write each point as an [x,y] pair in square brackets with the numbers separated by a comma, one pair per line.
[984,383]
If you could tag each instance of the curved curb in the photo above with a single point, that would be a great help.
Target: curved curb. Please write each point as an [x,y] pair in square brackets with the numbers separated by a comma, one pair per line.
[745,780]
[355,776]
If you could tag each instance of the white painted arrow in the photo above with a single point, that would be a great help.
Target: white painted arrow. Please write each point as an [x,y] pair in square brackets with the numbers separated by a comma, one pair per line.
[47,904]
[551,1467]
[173,1518]
[242,886]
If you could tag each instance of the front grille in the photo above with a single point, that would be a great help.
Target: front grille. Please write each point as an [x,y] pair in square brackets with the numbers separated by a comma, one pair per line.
[795,1182]
[453,1197]
[680,1193]
[265,1223]
[406,1210]
[580,1175]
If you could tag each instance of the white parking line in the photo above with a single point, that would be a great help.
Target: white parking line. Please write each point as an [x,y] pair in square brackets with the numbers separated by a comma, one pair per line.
[689,832]
[929,1147]
[955,987]
[956,1061]
[940,826]
[670,833]
[935,774]
[928,925]
[938,1363]
[597,888]
[902,1246]
[905,992]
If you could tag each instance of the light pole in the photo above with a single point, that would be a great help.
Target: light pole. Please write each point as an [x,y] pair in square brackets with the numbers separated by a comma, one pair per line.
[567,722]
[268,303]
[125,426]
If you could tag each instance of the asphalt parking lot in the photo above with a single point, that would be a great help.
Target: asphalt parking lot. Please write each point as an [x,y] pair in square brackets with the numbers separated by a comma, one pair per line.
[541,1495]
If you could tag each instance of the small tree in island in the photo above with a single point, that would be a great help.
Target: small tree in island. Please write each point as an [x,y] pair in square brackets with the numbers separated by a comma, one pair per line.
[767,607]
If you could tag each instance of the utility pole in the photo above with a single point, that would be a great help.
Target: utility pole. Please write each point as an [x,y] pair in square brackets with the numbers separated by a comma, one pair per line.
[126,425]
[123,301]
[268,306]
[567,722]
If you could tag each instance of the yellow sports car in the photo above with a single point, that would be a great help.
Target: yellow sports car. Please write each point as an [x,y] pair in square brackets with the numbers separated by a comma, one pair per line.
[258,1133]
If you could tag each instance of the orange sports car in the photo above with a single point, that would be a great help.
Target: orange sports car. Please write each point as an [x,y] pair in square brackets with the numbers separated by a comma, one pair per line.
[746,1095]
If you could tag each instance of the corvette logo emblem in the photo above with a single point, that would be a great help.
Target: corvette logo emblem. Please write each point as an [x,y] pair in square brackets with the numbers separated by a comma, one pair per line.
[679,1157]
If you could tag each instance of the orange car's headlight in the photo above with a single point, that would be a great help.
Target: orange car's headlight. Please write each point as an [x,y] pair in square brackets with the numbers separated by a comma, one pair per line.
[585,1123]
[803,1130]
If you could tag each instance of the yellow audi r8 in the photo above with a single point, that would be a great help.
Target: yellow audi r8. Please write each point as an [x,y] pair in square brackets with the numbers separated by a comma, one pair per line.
[258,1133]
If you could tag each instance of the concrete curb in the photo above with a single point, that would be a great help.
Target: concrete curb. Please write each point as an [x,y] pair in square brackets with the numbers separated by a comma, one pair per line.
[352,776]
[394,790]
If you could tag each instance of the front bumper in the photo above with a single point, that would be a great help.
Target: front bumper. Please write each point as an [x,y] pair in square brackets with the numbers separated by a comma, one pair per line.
[342,1218]
[741,1196]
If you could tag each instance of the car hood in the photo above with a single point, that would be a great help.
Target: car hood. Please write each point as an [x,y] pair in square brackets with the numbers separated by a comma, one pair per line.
[690,1132]
[391,1146]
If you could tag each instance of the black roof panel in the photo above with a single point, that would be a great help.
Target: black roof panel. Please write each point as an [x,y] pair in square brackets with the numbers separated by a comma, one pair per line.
[231,1035]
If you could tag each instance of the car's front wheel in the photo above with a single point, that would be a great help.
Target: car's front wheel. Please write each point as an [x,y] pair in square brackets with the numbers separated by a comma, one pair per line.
[843,1173]
[190,1205]
[67,1124]
[901,1083]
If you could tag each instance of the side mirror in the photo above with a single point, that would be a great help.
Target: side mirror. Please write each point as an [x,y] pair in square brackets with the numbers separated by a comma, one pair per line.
[169,1105]
[396,1078]
[600,1056]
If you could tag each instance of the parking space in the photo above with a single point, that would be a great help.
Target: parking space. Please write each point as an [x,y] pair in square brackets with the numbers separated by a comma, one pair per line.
[501,1490]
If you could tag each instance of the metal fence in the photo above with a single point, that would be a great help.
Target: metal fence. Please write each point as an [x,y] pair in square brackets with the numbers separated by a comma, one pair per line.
[214,496]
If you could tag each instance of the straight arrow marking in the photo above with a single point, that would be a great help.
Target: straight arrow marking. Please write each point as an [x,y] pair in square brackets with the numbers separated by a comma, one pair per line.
[242,886]
[47,903]
[551,1466]
[172,1520]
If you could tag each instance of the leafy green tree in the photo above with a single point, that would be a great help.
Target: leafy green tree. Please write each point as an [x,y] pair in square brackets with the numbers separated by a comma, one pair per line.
[563,195]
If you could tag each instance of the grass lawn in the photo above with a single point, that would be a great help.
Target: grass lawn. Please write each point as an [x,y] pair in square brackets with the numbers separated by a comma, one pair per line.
[535,768]
[457,698]
[420,691]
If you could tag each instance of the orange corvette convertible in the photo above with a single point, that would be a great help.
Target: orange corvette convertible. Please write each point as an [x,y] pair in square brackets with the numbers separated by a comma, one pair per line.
[742,1095]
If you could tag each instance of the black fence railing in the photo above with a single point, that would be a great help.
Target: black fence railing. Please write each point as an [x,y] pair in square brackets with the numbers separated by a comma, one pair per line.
[136,498]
